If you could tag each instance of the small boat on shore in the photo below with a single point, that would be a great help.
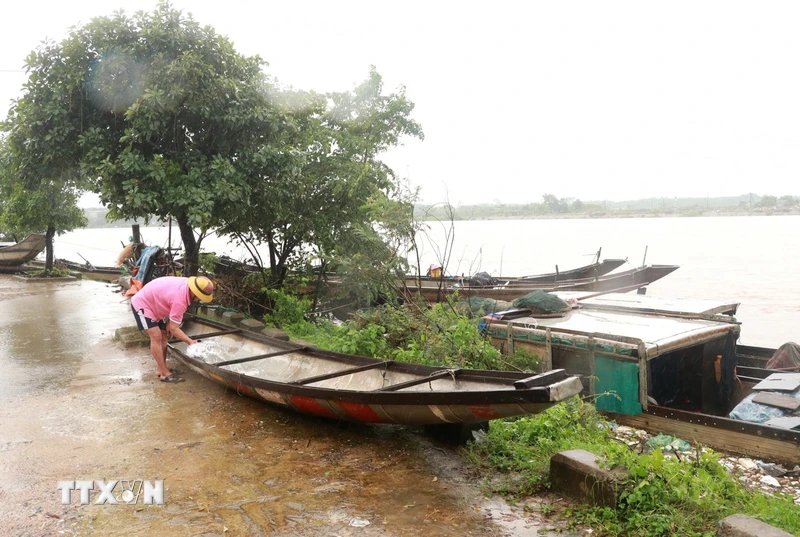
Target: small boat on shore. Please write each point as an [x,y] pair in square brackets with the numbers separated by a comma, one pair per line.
[17,254]
[629,280]
[87,270]
[673,366]
[362,389]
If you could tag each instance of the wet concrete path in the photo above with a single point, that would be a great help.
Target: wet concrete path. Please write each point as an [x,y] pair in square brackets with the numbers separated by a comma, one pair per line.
[75,405]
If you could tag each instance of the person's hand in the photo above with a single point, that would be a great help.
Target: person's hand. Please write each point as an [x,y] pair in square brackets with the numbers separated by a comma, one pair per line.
[191,341]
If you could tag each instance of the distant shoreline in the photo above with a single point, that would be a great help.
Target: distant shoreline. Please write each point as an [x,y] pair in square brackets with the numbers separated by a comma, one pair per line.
[596,216]
[711,213]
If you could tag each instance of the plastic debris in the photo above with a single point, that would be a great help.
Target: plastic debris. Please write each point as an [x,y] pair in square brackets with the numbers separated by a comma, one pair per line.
[775,470]
[771,481]
[668,443]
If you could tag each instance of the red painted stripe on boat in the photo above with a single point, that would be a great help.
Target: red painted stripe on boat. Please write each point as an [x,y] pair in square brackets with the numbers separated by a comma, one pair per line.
[311,406]
[244,389]
[361,412]
[485,412]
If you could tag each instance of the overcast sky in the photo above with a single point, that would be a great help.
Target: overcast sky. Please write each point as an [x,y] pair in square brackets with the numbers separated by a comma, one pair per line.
[583,99]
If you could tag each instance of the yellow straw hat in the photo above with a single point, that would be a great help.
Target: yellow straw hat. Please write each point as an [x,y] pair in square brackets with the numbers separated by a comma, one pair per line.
[202,288]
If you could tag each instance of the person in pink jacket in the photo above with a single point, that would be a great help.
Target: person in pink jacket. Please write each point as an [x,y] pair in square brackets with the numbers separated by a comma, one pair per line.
[159,307]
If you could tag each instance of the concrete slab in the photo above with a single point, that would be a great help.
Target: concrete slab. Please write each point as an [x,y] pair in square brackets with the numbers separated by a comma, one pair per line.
[275,333]
[232,316]
[578,473]
[745,526]
[253,325]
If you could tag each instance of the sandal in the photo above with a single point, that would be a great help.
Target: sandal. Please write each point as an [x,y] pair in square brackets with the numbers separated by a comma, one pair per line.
[172,379]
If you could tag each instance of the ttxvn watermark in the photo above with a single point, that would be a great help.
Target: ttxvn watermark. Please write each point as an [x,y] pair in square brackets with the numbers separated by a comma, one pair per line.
[114,492]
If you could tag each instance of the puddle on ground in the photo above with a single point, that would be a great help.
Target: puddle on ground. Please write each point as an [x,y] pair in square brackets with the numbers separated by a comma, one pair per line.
[80,407]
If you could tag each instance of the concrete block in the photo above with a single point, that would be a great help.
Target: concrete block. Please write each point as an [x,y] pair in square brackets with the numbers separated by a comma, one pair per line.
[130,336]
[745,526]
[304,343]
[578,473]
[275,333]
[253,325]
[232,317]
[121,332]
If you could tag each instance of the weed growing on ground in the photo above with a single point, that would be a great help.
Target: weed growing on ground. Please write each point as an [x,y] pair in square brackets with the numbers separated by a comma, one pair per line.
[442,335]
[664,496]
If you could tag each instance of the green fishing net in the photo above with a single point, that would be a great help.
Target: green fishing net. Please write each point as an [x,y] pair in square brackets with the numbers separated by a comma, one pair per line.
[539,301]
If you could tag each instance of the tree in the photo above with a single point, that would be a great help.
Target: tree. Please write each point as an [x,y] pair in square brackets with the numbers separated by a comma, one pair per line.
[39,179]
[767,201]
[553,204]
[331,199]
[157,112]
[50,206]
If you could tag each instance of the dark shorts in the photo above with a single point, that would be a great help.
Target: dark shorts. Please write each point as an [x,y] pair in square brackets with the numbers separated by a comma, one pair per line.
[146,322]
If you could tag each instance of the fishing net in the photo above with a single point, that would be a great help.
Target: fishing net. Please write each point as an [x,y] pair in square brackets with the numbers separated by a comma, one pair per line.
[486,305]
[786,357]
[539,301]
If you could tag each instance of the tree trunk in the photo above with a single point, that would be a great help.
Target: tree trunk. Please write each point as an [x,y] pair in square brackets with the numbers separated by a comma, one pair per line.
[192,248]
[48,259]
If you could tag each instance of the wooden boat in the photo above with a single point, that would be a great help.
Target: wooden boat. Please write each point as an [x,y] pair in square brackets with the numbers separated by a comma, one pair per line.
[674,367]
[16,254]
[87,270]
[594,270]
[622,281]
[357,388]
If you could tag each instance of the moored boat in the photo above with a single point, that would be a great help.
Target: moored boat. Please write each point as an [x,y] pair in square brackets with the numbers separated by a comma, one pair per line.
[106,274]
[362,389]
[16,254]
[594,270]
[435,291]
[673,367]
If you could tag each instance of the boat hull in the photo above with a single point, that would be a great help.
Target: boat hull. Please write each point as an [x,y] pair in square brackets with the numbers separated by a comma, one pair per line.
[376,391]
[621,282]
[595,270]
[23,251]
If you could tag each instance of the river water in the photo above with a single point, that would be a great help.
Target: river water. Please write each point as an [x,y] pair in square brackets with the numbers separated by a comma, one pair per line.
[753,260]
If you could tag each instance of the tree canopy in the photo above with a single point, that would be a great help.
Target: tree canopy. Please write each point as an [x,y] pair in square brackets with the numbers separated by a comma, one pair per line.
[163,118]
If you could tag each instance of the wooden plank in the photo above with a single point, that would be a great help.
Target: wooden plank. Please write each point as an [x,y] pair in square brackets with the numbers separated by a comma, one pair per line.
[787,382]
[342,373]
[785,422]
[259,357]
[542,379]
[421,380]
[777,400]
[761,447]
[643,375]
[548,350]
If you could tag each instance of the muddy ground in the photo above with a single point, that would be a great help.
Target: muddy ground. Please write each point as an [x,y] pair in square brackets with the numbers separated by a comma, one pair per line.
[76,405]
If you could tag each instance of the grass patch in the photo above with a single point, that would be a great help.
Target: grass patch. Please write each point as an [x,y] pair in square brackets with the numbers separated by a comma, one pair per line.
[664,496]
[55,272]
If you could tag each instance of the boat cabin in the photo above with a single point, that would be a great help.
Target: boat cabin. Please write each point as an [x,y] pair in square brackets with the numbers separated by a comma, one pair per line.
[633,351]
